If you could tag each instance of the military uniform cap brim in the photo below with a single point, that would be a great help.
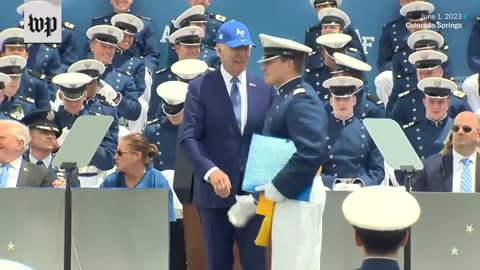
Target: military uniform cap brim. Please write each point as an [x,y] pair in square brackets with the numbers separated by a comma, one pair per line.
[72,84]
[192,11]
[425,35]
[189,69]
[125,18]
[44,120]
[188,32]
[343,86]
[416,6]
[338,2]
[274,47]
[418,57]
[334,12]
[21,8]
[12,37]
[437,87]
[350,62]
[87,65]
[381,208]
[335,41]
[107,34]
[12,65]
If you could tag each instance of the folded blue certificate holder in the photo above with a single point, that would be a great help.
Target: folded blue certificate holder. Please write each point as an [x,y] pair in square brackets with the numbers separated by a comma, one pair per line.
[267,156]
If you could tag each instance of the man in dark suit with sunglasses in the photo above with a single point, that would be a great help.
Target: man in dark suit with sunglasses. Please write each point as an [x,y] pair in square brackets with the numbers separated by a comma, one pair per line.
[457,168]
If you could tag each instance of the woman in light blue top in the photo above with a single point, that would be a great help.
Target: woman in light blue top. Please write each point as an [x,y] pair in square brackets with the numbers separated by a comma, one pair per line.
[132,159]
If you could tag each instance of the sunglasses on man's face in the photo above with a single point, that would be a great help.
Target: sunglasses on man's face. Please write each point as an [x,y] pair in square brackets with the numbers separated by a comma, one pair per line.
[466,129]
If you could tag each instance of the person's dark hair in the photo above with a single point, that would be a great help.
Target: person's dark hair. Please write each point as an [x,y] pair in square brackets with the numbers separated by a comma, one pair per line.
[298,62]
[381,242]
[138,142]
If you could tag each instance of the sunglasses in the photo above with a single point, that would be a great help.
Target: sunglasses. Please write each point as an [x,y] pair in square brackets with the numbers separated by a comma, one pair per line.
[120,152]
[466,129]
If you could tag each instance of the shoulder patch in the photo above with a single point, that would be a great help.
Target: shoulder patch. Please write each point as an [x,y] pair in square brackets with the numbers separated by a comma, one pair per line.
[107,103]
[94,113]
[375,99]
[27,99]
[68,25]
[218,17]
[126,73]
[459,94]
[160,71]
[411,124]
[152,121]
[36,74]
[404,94]
[299,91]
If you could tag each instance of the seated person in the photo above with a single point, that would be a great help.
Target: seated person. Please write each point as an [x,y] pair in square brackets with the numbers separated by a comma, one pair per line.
[354,159]
[14,170]
[133,156]
[456,168]
[381,217]
[473,50]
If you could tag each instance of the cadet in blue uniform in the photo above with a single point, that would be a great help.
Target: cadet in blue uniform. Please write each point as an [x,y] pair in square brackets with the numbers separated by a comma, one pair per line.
[366,105]
[44,126]
[312,33]
[296,114]
[119,88]
[33,84]
[354,159]
[319,65]
[146,42]
[381,229]
[187,42]
[125,60]
[72,92]
[195,16]
[428,135]
[13,105]
[410,106]
[473,50]
[404,71]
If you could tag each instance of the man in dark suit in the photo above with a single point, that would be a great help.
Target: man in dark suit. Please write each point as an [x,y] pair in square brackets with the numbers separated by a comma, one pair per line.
[381,229]
[14,170]
[457,168]
[44,126]
[222,110]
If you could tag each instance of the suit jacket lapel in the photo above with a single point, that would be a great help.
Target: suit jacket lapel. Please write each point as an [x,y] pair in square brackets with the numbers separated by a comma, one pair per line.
[23,174]
[447,172]
[226,95]
[251,94]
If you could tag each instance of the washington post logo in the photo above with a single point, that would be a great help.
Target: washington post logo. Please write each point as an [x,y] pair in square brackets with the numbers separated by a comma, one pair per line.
[42,21]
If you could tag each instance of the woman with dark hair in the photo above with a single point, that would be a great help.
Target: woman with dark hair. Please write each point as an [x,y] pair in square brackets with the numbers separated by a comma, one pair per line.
[132,159]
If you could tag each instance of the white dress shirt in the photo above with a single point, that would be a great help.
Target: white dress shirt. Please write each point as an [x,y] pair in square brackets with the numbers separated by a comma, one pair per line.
[242,87]
[46,161]
[14,172]
[458,168]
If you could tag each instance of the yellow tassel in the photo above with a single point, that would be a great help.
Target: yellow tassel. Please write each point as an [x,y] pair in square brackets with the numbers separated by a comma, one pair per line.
[265,207]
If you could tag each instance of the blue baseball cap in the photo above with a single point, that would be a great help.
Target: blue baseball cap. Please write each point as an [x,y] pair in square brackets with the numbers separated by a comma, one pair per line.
[234,34]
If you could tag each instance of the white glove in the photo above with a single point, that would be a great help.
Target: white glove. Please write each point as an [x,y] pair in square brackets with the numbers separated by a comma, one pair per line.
[242,211]
[346,187]
[64,135]
[271,192]
[107,92]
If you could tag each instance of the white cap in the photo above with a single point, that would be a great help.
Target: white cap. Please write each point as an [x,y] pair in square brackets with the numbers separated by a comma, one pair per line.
[90,67]
[343,86]
[12,37]
[173,94]
[333,16]
[415,10]
[12,65]
[334,41]
[427,59]
[47,3]
[343,60]
[128,23]
[189,69]
[105,33]
[274,47]
[381,208]
[437,87]
[193,14]
[72,84]
[4,80]
[189,35]
[316,3]
[425,39]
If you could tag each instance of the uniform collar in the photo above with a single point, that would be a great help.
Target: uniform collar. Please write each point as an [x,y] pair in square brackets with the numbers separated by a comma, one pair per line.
[344,122]
[385,262]
[289,85]
[46,161]
[440,122]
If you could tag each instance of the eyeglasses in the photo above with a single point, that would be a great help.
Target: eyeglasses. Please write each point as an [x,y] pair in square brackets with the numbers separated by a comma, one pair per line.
[466,129]
[120,152]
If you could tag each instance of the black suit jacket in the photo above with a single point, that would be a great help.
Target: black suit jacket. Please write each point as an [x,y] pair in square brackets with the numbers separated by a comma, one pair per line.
[32,175]
[437,174]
